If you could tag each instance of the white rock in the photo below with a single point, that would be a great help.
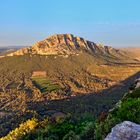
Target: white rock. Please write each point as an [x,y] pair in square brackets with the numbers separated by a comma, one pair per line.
[138,85]
[125,131]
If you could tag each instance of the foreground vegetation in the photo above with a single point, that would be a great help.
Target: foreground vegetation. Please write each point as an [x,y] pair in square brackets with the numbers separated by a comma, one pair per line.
[84,127]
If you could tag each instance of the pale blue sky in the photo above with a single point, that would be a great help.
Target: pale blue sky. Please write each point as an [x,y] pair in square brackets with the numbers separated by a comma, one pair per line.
[110,22]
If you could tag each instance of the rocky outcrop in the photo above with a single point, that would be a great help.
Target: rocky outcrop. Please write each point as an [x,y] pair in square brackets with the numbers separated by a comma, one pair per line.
[135,85]
[125,131]
[65,44]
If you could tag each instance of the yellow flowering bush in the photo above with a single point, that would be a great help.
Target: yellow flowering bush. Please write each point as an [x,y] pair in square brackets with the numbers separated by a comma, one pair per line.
[22,130]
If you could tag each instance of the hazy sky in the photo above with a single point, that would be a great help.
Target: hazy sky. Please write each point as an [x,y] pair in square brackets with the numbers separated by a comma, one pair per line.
[110,22]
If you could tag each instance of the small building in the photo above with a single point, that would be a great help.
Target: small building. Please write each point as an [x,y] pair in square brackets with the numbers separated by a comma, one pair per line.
[39,74]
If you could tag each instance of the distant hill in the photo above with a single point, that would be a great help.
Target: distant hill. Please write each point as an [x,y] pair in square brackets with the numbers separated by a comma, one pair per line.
[4,50]
[135,52]
[68,44]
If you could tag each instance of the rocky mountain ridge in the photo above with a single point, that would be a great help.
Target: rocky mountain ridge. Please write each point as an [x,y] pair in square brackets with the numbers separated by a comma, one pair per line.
[66,44]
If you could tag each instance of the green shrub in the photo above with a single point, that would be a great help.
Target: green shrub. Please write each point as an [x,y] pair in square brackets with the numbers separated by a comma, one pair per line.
[71,136]
[129,110]
[134,94]
[69,127]
[88,132]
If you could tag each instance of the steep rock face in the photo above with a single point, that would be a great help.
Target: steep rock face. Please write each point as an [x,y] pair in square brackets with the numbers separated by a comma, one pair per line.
[62,44]
[125,131]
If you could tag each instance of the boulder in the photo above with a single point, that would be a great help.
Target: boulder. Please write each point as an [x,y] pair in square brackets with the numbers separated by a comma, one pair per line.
[125,131]
[137,83]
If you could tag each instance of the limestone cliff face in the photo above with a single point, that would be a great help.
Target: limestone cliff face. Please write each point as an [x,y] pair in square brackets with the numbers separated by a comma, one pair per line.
[64,44]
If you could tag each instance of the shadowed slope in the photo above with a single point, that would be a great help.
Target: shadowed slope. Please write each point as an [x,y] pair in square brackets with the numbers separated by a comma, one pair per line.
[92,103]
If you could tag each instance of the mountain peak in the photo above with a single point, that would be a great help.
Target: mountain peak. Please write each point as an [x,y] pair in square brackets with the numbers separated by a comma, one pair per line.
[64,44]
[60,40]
